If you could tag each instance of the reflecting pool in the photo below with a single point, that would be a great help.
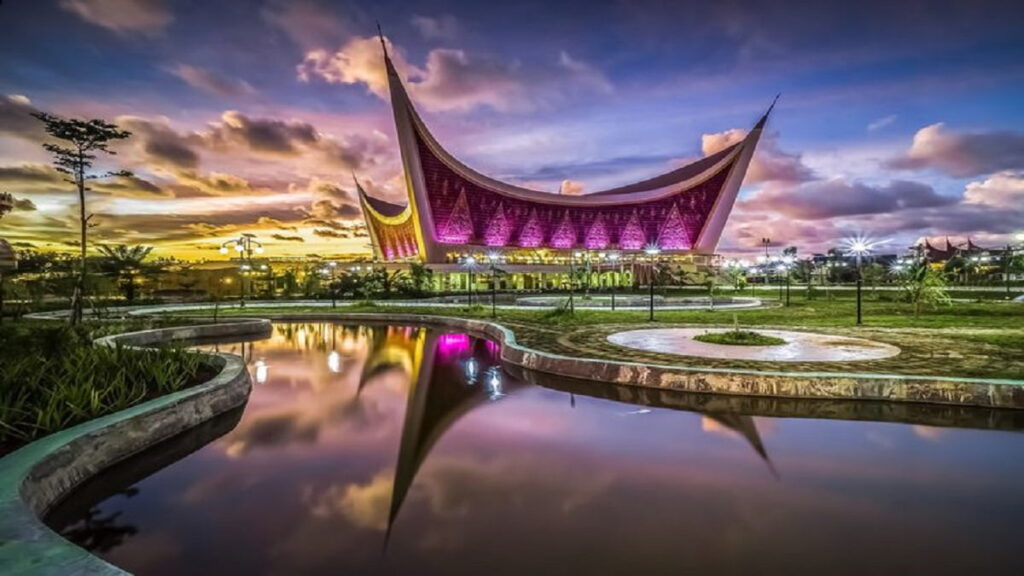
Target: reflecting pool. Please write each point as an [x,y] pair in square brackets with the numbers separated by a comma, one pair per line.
[409,450]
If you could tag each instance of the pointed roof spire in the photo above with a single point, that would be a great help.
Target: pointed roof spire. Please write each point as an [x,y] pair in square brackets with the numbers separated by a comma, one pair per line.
[764,119]
[380,34]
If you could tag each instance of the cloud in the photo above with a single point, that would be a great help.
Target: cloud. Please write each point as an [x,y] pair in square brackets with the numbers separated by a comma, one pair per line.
[212,82]
[16,118]
[1001,190]
[146,17]
[327,210]
[963,154]
[128,187]
[159,143]
[191,183]
[24,205]
[769,164]
[881,123]
[840,197]
[291,138]
[309,24]
[436,28]
[570,188]
[328,233]
[287,238]
[365,505]
[263,134]
[155,142]
[451,80]
[31,174]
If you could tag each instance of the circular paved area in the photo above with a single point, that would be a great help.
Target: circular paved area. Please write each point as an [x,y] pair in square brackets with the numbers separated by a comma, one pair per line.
[799,346]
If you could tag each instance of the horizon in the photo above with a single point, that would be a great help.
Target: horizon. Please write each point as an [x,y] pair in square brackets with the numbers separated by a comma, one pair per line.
[901,122]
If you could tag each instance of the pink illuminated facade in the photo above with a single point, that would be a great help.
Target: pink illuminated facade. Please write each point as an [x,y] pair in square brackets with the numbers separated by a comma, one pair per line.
[453,211]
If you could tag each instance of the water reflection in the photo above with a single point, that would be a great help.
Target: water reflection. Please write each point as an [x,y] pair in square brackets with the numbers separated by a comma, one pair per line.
[418,441]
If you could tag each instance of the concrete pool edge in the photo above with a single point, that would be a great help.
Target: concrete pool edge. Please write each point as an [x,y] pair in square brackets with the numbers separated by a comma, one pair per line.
[38,475]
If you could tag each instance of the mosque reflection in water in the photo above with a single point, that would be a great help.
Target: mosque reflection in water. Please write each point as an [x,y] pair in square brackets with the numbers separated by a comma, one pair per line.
[403,449]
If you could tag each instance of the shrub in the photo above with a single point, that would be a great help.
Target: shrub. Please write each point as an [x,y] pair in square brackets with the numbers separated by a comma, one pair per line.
[52,378]
[739,338]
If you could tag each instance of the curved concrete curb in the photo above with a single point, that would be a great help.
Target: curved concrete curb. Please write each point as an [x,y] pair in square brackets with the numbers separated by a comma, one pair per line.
[35,477]
[740,303]
[987,393]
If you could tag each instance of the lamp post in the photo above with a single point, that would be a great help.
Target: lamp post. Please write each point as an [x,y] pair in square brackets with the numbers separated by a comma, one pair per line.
[245,245]
[616,259]
[572,281]
[493,258]
[470,263]
[787,263]
[766,242]
[331,271]
[859,247]
[652,252]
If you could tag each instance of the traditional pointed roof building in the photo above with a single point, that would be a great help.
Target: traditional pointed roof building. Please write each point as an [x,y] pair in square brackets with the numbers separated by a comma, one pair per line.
[452,210]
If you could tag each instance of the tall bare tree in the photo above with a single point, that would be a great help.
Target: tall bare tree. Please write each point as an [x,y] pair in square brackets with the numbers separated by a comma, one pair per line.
[84,139]
[6,260]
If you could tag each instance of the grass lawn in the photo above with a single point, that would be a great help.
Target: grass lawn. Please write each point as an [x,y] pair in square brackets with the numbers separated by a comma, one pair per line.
[972,339]
[52,377]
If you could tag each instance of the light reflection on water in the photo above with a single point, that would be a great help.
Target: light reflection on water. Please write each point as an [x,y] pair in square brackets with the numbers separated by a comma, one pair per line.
[407,450]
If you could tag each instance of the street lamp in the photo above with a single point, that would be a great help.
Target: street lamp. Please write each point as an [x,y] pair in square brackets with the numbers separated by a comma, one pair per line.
[332,273]
[572,281]
[493,258]
[859,247]
[245,245]
[787,264]
[616,259]
[470,263]
[652,251]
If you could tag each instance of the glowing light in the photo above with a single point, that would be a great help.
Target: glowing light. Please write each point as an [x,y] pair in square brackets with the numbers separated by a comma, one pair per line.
[259,249]
[652,250]
[223,250]
[334,361]
[262,371]
[471,371]
[494,384]
[861,245]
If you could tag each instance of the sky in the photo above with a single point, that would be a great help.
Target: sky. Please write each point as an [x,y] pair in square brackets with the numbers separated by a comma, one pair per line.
[898,120]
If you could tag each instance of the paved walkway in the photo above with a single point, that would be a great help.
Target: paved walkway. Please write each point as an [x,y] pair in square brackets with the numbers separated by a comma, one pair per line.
[737,304]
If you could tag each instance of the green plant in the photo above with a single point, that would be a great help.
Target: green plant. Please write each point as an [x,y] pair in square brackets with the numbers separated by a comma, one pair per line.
[924,286]
[738,337]
[55,377]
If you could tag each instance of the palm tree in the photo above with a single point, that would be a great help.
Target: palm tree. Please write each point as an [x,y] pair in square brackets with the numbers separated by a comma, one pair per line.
[923,285]
[124,263]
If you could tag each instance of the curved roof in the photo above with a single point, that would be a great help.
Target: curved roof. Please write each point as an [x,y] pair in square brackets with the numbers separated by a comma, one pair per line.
[650,189]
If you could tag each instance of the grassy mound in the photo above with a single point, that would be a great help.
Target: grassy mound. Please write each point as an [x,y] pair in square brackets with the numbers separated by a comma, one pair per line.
[739,338]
